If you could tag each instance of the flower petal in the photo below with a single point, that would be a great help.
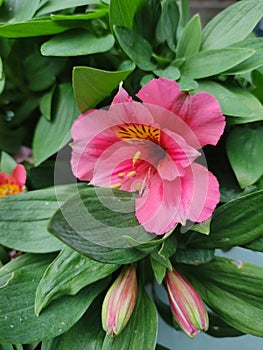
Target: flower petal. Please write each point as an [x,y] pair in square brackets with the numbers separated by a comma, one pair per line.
[122,96]
[201,112]
[199,194]
[156,209]
[19,175]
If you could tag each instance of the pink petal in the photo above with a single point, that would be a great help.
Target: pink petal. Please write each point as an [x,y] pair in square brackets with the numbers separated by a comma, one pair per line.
[122,96]
[156,209]
[19,175]
[201,112]
[199,194]
[178,155]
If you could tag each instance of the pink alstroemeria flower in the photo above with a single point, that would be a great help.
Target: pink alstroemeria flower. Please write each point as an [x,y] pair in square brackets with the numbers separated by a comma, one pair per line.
[14,183]
[150,148]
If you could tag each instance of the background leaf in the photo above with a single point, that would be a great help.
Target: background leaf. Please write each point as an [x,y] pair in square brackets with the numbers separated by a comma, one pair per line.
[190,39]
[232,25]
[17,10]
[24,218]
[51,136]
[87,333]
[122,12]
[7,163]
[91,85]
[51,6]
[135,47]
[244,149]
[76,43]
[67,275]
[211,62]
[18,322]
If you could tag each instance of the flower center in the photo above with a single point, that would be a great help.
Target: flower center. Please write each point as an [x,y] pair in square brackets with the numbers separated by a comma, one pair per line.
[138,131]
[9,189]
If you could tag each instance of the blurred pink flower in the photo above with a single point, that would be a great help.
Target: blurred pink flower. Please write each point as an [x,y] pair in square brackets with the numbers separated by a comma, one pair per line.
[150,148]
[24,154]
[120,301]
[14,183]
[186,304]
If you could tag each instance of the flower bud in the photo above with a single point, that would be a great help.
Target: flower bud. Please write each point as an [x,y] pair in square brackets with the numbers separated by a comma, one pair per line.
[187,306]
[119,301]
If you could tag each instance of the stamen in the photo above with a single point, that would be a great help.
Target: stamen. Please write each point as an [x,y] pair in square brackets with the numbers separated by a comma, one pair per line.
[116,186]
[9,189]
[136,157]
[121,174]
[131,173]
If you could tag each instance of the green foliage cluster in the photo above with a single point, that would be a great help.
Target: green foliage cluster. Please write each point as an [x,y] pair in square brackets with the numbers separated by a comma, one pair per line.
[60,58]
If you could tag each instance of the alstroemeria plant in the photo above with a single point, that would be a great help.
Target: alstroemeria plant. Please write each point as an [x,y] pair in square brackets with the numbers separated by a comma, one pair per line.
[151,148]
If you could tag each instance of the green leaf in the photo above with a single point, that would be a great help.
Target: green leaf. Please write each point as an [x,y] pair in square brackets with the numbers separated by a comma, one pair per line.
[6,346]
[211,62]
[122,12]
[91,85]
[159,270]
[46,104]
[24,218]
[230,99]
[169,22]
[244,149]
[87,333]
[97,13]
[194,256]
[135,47]
[256,245]
[51,6]
[232,25]
[190,39]
[2,81]
[18,322]
[252,62]
[17,10]
[51,136]
[7,163]
[237,222]
[76,43]
[144,319]
[67,275]
[203,227]
[233,289]
[98,210]
[32,28]
[169,72]
[41,72]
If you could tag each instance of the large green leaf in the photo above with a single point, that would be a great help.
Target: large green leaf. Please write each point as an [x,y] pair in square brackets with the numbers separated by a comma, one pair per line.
[194,256]
[122,12]
[51,6]
[100,223]
[190,39]
[76,43]
[67,275]
[169,22]
[235,102]
[32,28]
[17,10]
[141,330]
[51,136]
[91,85]
[24,218]
[235,223]
[211,62]
[232,25]
[86,334]
[18,322]
[233,289]
[135,47]
[256,245]
[244,148]
[252,62]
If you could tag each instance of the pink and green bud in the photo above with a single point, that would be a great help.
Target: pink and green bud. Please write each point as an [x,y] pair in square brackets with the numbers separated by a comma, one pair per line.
[187,306]
[119,301]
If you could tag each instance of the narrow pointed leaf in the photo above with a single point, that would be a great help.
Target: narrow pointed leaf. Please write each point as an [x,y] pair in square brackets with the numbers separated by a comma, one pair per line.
[190,39]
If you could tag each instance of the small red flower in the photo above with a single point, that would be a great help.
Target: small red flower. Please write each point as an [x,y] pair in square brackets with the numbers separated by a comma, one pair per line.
[14,183]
